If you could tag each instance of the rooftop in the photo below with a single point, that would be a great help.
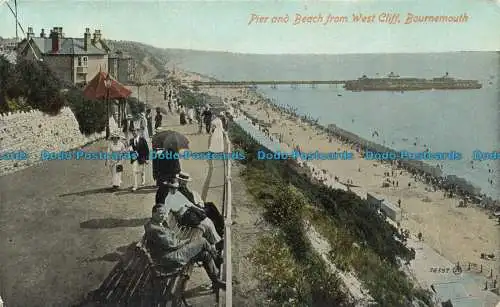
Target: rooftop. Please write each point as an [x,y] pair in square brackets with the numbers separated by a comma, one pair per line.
[69,46]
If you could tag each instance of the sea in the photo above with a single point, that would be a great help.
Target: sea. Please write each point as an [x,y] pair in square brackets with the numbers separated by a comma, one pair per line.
[441,120]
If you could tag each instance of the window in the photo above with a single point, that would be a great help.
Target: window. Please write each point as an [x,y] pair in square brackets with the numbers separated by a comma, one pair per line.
[82,61]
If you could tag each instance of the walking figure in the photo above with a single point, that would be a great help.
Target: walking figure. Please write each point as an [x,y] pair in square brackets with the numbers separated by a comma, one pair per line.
[139,146]
[158,119]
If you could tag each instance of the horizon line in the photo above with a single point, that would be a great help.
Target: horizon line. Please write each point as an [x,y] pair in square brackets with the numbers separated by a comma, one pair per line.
[310,53]
[282,53]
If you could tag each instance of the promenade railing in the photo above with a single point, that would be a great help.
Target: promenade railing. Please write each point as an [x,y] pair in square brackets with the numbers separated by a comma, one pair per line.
[227,270]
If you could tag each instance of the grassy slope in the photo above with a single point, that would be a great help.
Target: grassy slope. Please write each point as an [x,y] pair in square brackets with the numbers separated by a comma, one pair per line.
[362,241]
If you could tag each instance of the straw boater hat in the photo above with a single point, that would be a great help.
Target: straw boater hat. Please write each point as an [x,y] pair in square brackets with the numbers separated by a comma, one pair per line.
[115,135]
[183,176]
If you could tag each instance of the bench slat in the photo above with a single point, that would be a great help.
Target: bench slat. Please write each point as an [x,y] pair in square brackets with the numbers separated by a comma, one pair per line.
[131,280]
[123,281]
[134,277]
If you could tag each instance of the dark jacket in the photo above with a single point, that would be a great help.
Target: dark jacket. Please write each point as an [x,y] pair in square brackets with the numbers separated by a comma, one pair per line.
[207,116]
[160,240]
[158,119]
[142,150]
[125,125]
[165,169]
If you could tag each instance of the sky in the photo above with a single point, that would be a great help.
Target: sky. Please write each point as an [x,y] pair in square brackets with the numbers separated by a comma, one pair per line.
[224,25]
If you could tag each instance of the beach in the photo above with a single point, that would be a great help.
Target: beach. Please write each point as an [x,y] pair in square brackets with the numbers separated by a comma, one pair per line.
[460,234]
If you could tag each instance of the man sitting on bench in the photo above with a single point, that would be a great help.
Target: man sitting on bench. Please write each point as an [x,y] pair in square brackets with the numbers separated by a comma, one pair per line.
[167,249]
[188,214]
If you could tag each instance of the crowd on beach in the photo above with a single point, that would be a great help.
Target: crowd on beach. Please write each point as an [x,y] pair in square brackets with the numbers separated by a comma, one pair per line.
[449,185]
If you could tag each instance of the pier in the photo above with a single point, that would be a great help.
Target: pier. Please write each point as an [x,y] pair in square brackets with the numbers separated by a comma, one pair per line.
[271,83]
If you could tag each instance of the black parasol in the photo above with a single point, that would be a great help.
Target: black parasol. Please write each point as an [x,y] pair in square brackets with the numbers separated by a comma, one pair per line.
[170,140]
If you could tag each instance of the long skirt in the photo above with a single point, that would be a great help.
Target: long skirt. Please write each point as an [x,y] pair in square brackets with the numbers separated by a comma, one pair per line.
[217,141]
[213,213]
[116,177]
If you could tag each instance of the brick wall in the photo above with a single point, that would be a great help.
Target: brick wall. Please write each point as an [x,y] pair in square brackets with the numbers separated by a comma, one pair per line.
[34,131]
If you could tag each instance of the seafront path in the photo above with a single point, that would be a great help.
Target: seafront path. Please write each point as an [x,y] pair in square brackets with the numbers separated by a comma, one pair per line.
[62,230]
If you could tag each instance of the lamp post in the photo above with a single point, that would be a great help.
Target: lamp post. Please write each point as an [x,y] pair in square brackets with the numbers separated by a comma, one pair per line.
[107,83]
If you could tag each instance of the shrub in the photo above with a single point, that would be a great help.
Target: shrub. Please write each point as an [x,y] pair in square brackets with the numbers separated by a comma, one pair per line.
[287,206]
[283,280]
[32,80]
[90,114]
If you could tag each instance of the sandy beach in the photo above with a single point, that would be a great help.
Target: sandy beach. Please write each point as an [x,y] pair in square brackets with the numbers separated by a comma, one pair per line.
[459,234]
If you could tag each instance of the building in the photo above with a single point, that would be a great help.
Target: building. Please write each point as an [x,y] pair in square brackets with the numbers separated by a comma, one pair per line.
[74,60]
[8,49]
[122,67]
[8,44]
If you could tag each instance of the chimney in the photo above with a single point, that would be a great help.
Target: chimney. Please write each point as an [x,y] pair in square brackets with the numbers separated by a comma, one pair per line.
[42,34]
[86,39]
[97,36]
[61,34]
[56,40]
[30,33]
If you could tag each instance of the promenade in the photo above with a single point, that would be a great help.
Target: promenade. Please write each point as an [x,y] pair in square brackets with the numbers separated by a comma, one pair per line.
[62,230]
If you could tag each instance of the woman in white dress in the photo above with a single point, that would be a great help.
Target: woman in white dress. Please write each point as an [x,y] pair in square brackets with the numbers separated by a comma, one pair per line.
[116,149]
[217,137]
[144,125]
[190,115]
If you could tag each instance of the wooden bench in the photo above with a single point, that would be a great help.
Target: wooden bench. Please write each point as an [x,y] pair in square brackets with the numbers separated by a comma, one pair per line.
[137,280]
[169,284]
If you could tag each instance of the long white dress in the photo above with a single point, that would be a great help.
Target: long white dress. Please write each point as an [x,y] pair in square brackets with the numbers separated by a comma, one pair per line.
[190,114]
[118,148]
[144,124]
[217,137]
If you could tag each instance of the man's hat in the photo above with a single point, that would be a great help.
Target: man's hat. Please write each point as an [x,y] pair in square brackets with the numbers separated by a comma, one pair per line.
[183,176]
[115,135]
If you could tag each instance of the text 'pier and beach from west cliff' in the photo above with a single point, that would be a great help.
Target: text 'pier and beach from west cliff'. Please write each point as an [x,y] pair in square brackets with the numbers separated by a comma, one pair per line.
[356,17]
